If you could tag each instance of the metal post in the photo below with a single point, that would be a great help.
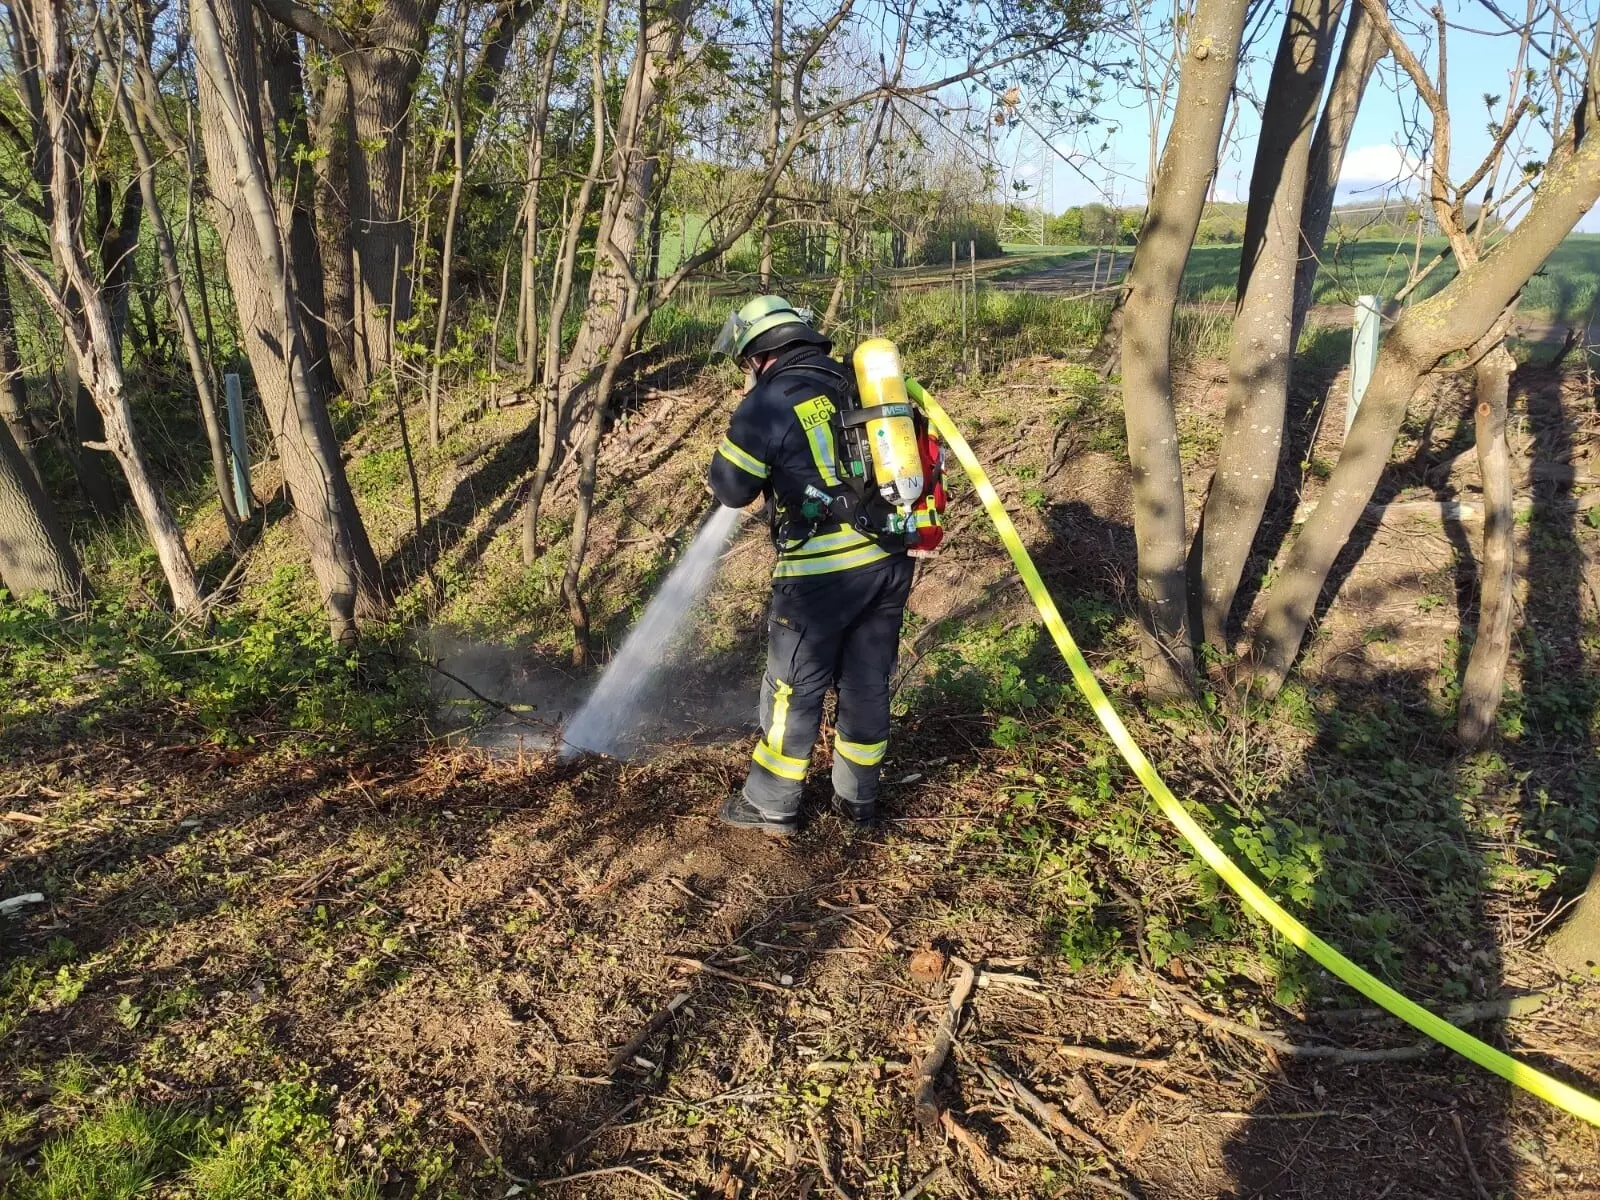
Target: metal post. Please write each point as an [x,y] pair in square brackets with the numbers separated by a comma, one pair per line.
[1363,352]
[241,450]
[972,276]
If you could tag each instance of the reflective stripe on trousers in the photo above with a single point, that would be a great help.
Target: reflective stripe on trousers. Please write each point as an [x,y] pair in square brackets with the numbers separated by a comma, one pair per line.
[839,630]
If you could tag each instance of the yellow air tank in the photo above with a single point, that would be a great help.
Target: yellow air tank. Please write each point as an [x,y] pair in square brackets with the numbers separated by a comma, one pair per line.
[890,433]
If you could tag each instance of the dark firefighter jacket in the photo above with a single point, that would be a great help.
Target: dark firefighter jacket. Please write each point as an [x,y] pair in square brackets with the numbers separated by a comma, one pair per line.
[780,441]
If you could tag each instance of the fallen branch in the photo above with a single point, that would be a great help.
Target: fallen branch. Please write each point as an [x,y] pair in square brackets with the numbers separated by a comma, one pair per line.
[1044,1110]
[1502,1008]
[822,1161]
[657,1021]
[1110,1058]
[718,973]
[1466,1154]
[927,1107]
[1284,1046]
[937,1175]
[619,1169]
[982,1161]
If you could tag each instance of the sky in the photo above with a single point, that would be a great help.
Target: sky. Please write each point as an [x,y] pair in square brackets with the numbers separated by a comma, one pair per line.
[1378,158]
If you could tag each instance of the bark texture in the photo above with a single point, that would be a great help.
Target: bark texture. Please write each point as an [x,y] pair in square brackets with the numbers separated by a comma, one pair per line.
[90,327]
[1258,367]
[178,302]
[1177,200]
[380,51]
[36,558]
[1575,946]
[331,205]
[253,244]
[13,387]
[1362,50]
[1486,666]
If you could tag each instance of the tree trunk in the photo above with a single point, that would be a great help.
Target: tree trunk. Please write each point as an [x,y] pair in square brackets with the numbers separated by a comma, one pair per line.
[1486,666]
[527,299]
[199,366]
[331,168]
[1176,204]
[91,330]
[1258,368]
[13,387]
[35,555]
[1454,318]
[551,417]
[341,556]
[382,81]
[483,82]
[1359,56]
[1575,947]
[88,433]
[622,215]
[294,187]
[446,260]
[774,124]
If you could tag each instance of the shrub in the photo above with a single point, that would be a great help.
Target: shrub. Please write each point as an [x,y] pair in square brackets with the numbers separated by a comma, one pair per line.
[935,247]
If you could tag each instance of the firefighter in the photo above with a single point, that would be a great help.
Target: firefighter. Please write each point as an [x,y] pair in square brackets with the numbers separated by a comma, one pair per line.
[838,593]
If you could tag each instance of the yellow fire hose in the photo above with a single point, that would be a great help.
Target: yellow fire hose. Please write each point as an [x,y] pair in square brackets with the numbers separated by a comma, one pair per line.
[1521,1074]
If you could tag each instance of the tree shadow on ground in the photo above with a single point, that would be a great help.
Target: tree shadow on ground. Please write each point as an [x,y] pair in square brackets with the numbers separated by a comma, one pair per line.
[1387,780]
[490,477]
[1399,885]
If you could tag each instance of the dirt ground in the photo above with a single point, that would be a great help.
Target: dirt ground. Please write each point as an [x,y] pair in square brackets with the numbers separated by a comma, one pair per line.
[576,983]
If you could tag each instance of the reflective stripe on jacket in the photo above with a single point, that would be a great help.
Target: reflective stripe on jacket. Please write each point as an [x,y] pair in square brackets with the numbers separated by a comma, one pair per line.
[780,440]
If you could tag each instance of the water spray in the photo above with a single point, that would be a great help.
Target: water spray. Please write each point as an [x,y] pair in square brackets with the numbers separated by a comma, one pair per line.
[612,709]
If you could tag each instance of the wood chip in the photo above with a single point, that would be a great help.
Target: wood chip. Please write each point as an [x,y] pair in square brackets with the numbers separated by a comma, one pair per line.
[927,965]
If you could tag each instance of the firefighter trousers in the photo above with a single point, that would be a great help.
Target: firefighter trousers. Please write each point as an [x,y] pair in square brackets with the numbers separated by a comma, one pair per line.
[839,630]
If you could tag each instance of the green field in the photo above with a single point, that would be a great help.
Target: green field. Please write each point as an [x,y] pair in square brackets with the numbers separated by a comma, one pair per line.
[1563,291]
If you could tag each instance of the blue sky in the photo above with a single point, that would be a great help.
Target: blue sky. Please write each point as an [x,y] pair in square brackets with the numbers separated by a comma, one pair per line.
[1478,63]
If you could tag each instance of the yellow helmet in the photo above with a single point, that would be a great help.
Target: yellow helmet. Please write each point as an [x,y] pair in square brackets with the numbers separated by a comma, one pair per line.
[761,316]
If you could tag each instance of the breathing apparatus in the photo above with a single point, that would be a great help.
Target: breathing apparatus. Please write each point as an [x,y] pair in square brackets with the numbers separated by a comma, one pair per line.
[889,463]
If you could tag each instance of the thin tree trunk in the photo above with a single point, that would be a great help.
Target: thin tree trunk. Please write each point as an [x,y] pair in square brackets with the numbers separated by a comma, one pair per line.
[35,555]
[1176,204]
[293,185]
[205,393]
[446,262]
[494,327]
[1258,368]
[1454,318]
[1362,50]
[1486,666]
[92,330]
[13,387]
[341,556]
[331,167]
[551,416]
[483,81]
[774,124]
[528,301]
[578,544]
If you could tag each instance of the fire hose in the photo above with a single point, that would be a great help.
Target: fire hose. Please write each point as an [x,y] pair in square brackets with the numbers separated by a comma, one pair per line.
[1519,1073]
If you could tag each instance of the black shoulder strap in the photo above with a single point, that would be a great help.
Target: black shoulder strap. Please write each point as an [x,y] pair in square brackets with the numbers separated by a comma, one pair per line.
[801,376]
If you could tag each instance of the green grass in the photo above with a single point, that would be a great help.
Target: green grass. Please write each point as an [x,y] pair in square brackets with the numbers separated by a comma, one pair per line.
[279,1148]
[265,667]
